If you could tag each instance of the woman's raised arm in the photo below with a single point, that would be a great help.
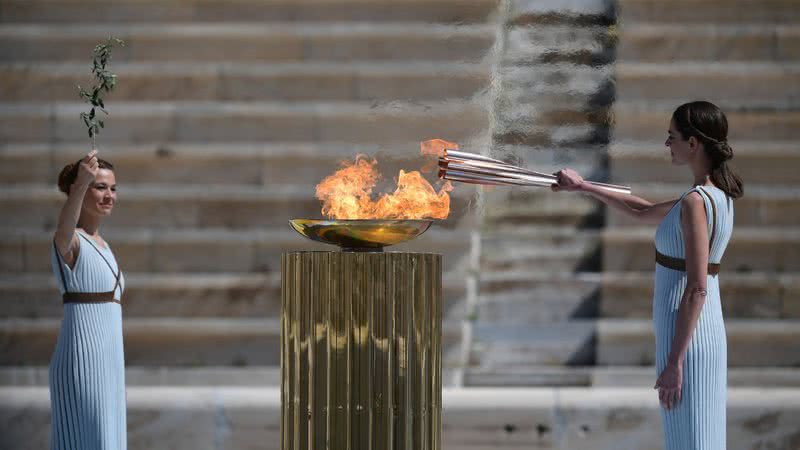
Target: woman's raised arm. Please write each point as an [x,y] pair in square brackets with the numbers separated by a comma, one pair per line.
[65,239]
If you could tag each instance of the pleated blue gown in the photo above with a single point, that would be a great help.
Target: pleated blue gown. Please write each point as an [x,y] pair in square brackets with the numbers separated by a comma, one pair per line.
[699,420]
[87,369]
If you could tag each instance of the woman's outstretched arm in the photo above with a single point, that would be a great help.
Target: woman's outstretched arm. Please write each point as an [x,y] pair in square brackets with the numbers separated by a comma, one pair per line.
[631,205]
[65,239]
[695,236]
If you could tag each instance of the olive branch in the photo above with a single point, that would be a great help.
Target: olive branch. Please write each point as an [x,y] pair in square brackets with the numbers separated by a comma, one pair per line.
[106,81]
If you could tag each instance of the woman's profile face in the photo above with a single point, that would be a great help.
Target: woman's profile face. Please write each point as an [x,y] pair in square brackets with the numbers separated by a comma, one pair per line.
[102,194]
[679,147]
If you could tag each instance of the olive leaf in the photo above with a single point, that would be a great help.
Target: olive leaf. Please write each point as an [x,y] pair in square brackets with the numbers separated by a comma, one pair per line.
[105,82]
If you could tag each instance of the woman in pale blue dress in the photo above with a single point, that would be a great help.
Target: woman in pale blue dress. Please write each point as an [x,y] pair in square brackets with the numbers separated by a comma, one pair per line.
[693,232]
[87,369]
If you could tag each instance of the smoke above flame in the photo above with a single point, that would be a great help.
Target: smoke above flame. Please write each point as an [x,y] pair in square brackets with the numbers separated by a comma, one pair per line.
[348,194]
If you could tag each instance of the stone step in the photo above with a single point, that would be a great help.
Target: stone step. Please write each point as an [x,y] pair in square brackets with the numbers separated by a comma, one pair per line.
[744,295]
[178,206]
[542,376]
[751,343]
[594,377]
[206,250]
[538,295]
[157,207]
[171,163]
[174,341]
[635,121]
[713,11]
[509,207]
[553,249]
[759,163]
[185,206]
[136,376]
[35,295]
[748,84]
[138,122]
[280,164]
[280,42]
[625,342]
[503,346]
[551,134]
[48,11]
[563,83]
[559,44]
[751,249]
[184,418]
[249,81]
[761,205]
[649,42]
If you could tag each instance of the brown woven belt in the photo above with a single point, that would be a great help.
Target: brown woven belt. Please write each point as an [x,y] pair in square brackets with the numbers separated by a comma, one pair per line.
[90,297]
[680,264]
[87,297]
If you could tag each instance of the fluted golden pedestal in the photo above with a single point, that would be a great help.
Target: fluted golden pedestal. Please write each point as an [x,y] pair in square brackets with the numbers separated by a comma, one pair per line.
[361,351]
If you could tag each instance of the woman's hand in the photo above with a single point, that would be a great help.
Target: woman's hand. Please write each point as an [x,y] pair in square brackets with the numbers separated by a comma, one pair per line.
[670,386]
[87,169]
[568,180]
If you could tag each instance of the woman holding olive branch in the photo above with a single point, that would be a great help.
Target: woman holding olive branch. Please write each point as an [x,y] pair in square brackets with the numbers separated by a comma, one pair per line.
[87,369]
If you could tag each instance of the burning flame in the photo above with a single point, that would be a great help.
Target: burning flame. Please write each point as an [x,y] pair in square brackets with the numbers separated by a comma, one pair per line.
[436,147]
[347,194]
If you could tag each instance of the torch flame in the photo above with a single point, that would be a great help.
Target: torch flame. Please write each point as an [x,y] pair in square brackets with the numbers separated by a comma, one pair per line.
[347,194]
[436,147]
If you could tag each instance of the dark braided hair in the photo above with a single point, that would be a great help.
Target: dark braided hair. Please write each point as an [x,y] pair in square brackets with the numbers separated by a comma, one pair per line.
[69,173]
[708,124]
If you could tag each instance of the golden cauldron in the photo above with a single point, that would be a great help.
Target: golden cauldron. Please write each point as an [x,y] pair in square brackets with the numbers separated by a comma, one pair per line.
[362,235]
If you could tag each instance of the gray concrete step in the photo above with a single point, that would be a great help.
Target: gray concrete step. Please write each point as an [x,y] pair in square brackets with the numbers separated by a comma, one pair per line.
[173,341]
[553,43]
[503,346]
[709,11]
[748,84]
[650,42]
[751,249]
[553,249]
[626,342]
[638,121]
[143,81]
[184,418]
[564,83]
[205,250]
[249,41]
[137,122]
[35,295]
[537,294]
[751,343]
[762,205]
[542,376]
[507,207]
[744,295]
[246,11]
[595,377]
[178,206]
[136,376]
[175,163]
[249,164]
[759,163]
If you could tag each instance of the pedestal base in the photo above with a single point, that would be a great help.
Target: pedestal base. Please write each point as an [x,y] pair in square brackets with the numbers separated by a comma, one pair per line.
[361,351]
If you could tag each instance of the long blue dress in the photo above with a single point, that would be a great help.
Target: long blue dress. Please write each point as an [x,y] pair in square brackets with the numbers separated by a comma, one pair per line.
[87,369]
[698,421]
